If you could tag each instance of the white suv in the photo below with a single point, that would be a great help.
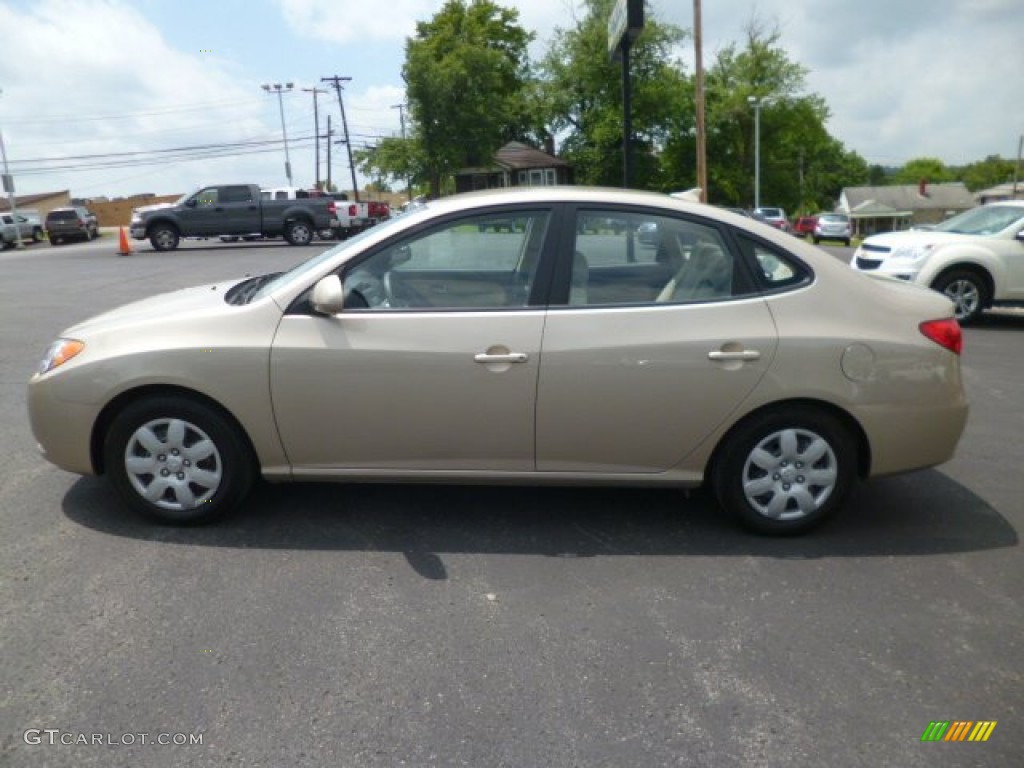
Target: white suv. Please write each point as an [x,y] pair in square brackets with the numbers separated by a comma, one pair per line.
[975,258]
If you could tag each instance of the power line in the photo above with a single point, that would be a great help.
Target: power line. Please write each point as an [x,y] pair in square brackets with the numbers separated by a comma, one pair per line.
[187,148]
[212,153]
[127,115]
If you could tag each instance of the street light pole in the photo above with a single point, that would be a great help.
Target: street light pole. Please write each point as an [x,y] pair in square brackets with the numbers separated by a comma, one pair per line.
[401,117]
[756,104]
[278,89]
[8,184]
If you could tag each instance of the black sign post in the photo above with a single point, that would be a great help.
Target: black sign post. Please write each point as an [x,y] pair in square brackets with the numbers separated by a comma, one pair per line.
[624,26]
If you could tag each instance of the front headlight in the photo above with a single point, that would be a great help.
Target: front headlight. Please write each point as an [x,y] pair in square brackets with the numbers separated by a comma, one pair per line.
[59,353]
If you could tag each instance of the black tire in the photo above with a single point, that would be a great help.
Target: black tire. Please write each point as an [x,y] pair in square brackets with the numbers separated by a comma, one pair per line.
[968,292]
[186,489]
[54,240]
[164,237]
[37,235]
[298,233]
[846,243]
[776,452]
[816,240]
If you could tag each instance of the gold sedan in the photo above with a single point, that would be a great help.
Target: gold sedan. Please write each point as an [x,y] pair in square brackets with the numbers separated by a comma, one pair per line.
[520,336]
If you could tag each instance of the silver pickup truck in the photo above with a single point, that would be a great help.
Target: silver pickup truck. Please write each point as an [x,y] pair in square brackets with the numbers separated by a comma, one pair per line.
[233,209]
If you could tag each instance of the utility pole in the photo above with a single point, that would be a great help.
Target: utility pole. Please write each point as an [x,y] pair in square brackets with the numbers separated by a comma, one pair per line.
[337,81]
[1017,168]
[316,128]
[401,117]
[329,133]
[702,168]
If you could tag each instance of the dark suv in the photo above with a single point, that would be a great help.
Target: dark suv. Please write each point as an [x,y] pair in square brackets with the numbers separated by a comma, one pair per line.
[71,223]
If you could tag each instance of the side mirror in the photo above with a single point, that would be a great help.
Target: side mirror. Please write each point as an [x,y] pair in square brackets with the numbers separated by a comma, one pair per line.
[190,203]
[1020,235]
[328,296]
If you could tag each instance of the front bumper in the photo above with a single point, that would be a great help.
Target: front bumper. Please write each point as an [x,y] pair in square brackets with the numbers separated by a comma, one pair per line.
[62,427]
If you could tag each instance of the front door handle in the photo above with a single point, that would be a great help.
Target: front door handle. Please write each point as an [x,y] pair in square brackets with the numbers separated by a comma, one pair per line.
[510,357]
[743,354]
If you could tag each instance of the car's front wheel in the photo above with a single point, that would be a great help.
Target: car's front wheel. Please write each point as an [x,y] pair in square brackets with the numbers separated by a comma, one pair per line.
[178,460]
[783,472]
[298,233]
[164,237]
[968,292]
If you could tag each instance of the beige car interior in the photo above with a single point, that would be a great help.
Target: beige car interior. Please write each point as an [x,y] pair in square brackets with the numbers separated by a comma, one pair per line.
[688,264]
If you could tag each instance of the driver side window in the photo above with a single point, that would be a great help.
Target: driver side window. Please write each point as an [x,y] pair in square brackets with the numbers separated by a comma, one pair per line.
[207,197]
[486,261]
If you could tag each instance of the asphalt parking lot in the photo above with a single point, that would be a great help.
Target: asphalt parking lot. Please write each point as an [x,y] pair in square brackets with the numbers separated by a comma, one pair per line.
[460,626]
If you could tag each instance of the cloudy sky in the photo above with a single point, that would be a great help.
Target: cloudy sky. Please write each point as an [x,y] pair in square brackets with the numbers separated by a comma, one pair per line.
[87,83]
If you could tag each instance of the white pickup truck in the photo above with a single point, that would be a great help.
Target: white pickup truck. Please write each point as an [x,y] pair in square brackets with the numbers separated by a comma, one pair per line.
[352,217]
[976,258]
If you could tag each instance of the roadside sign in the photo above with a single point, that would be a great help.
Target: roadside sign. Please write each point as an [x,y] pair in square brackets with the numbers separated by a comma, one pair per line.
[624,24]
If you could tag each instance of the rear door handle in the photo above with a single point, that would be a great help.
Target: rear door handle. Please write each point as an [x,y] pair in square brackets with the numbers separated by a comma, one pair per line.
[511,357]
[745,354]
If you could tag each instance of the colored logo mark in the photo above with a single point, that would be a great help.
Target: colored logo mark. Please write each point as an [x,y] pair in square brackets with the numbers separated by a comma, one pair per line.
[958,730]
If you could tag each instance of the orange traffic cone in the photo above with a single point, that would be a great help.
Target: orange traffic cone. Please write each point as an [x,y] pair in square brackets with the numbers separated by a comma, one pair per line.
[125,248]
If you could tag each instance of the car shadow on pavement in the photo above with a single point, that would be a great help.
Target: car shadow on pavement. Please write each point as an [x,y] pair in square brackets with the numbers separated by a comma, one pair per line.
[999,320]
[925,513]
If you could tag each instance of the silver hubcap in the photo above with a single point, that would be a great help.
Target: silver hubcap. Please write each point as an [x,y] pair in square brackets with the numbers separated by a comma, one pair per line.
[165,238]
[790,474]
[965,296]
[173,464]
[301,233]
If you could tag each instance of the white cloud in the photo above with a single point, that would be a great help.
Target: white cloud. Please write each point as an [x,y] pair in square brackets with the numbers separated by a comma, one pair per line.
[346,21]
[96,77]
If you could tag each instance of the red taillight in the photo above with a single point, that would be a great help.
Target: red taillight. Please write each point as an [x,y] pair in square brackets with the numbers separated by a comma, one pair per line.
[946,333]
[353,211]
[332,208]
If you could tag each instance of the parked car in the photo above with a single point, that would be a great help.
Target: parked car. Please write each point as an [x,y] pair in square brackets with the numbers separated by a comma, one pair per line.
[19,226]
[975,258]
[774,216]
[412,352]
[233,209]
[647,233]
[74,223]
[832,226]
[804,226]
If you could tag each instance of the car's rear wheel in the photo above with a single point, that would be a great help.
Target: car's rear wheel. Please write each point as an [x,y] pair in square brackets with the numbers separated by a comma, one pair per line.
[968,292]
[784,472]
[54,240]
[164,237]
[177,460]
[298,233]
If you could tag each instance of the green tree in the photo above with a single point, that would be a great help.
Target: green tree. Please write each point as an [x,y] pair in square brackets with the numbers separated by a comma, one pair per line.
[466,71]
[578,96]
[929,169]
[802,166]
[991,171]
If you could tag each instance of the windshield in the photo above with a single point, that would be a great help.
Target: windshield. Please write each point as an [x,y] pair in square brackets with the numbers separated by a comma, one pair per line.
[181,200]
[304,268]
[986,220]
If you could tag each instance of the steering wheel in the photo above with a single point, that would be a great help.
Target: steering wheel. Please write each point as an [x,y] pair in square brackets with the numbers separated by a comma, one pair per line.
[389,291]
